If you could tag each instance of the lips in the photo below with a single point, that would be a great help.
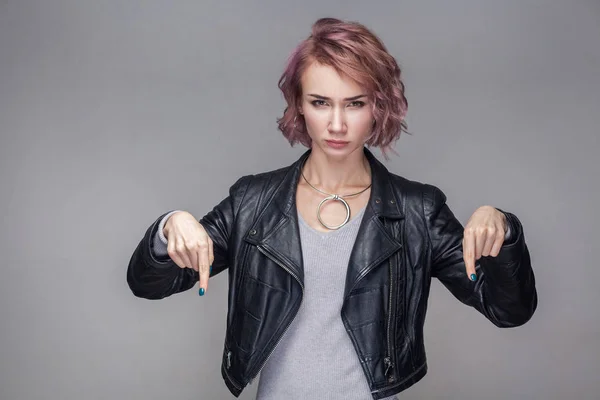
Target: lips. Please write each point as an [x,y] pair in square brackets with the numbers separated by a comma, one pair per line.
[336,144]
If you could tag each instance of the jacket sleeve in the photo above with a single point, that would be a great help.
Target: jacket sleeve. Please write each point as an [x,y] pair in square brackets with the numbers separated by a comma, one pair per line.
[152,275]
[504,291]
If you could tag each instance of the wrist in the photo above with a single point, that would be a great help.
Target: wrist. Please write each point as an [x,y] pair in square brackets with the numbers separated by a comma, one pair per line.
[164,226]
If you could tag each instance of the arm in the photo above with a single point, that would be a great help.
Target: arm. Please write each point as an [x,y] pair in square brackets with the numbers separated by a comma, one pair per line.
[505,288]
[152,274]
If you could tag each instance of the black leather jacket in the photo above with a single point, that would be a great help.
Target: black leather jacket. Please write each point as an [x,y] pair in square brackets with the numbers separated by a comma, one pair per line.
[408,235]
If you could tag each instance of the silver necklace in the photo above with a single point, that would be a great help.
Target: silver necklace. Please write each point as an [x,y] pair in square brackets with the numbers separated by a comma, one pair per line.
[332,197]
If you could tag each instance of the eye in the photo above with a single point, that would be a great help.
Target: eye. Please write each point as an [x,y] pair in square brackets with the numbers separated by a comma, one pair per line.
[357,104]
[318,103]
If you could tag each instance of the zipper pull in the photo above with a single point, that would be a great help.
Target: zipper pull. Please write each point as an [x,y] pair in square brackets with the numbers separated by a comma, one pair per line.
[388,365]
[229,359]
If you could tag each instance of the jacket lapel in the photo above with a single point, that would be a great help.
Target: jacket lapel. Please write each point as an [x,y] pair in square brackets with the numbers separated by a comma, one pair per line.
[276,228]
[374,242]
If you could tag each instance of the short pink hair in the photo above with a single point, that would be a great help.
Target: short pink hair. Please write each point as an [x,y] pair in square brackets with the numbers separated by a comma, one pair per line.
[355,52]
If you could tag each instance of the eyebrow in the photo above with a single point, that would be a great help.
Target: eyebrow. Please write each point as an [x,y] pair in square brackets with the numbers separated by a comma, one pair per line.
[318,96]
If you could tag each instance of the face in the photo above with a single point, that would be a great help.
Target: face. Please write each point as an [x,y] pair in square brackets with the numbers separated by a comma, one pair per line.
[336,110]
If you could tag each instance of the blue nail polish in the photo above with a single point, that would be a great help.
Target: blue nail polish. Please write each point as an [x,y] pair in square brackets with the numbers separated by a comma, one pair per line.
[201,291]
[473,277]
[210,270]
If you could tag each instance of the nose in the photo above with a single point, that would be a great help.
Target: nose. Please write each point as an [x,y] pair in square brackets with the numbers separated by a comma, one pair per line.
[337,121]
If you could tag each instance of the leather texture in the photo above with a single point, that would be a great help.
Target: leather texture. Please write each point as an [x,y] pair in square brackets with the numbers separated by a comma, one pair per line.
[408,236]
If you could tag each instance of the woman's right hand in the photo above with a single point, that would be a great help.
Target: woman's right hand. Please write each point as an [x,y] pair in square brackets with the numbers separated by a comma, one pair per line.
[189,246]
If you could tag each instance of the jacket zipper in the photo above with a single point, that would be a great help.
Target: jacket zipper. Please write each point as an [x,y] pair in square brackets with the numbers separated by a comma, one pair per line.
[388,359]
[266,252]
[389,364]
[228,355]
[227,371]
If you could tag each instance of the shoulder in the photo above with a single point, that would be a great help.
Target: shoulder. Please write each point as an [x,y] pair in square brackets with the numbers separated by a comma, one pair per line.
[259,182]
[418,194]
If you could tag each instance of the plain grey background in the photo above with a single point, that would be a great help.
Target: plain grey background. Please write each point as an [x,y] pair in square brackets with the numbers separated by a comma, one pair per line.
[114,112]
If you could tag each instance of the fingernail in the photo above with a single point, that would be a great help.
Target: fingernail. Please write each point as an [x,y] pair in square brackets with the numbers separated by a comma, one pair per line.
[201,291]
[473,277]
[210,270]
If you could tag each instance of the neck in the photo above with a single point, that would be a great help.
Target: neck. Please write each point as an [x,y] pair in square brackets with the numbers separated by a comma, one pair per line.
[338,175]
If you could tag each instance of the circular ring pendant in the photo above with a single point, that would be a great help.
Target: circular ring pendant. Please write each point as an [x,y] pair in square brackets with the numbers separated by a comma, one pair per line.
[334,197]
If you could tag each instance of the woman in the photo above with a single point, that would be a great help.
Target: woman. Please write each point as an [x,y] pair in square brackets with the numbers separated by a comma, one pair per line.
[330,259]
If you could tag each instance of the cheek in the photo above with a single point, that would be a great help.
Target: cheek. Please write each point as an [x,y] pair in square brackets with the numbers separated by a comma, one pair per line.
[315,121]
[361,123]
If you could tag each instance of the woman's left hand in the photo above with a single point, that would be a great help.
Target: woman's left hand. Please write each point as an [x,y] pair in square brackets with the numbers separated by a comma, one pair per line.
[483,236]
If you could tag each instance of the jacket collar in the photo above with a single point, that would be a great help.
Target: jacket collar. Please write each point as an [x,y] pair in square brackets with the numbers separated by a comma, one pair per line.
[276,228]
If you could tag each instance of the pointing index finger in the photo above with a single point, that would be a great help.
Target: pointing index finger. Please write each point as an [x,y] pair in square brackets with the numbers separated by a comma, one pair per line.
[469,254]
